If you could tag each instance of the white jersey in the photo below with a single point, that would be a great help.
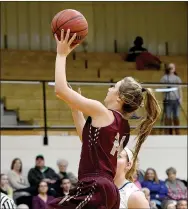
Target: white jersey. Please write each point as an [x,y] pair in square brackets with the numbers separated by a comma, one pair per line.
[125,191]
[7,202]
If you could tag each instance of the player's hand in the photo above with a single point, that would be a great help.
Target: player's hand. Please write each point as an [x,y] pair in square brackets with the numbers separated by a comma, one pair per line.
[64,45]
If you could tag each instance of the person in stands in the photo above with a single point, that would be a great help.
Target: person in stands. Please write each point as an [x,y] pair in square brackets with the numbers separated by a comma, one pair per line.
[158,189]
[42,172]
[142,57]
[172,99]
[176,188]
[5,187]
[63,165]
[42,199]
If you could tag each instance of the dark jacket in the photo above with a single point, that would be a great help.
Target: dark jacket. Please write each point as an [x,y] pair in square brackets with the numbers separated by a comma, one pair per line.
[158,191]
[35,175]
[134,52]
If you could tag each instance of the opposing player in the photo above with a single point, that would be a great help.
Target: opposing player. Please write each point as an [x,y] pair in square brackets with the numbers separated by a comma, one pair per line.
[130,195]
[105,133]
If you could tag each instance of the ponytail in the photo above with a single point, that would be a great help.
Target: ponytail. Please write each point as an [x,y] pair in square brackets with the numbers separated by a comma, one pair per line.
[152,113]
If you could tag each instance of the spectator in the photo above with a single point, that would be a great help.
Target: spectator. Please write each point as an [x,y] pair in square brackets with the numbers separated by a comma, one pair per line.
[169,204]
[65,186]
[176,188]
[62,165]
[42,172]
[140,172]
[143,58]
[158,189]
[182,204]
[172,100]
[5,187]
[18,181]
[135,180]
[136,50]
[42,199]
[147,195]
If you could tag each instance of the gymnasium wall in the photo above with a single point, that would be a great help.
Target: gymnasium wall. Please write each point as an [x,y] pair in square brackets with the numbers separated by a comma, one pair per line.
[159,152]
[27,25]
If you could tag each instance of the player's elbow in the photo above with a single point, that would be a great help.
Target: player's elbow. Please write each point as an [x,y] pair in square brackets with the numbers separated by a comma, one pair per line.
[60,92]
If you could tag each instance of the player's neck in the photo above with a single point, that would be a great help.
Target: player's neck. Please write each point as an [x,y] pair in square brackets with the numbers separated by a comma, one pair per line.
[114,107]
[119,181]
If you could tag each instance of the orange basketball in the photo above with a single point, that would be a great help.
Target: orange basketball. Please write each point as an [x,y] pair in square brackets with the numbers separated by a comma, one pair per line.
[73,20]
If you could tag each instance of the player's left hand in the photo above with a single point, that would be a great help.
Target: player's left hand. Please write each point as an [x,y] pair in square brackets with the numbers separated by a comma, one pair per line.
[64,45]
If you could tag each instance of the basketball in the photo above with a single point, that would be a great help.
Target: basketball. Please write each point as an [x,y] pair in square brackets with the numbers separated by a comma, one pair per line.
[73,20]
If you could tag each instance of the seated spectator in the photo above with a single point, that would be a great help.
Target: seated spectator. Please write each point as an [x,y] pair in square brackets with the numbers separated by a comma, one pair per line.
[143,58]
[42,199]
[135,180]
[64,187]
[42,172]
[140,172]
[136,50]
[181,204]
[176,188]
[158,189]
[5,187]
[147,195]
[169,204]
[62,165]
[18,181]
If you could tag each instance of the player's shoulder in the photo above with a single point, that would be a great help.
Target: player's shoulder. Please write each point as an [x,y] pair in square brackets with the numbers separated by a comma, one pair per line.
[137,199]
[128,185]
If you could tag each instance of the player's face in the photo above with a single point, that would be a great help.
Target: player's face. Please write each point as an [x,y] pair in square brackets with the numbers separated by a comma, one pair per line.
[122,163]
[113,94]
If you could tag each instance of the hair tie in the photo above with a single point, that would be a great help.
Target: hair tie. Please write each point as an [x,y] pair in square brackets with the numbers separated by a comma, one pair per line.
[143,89]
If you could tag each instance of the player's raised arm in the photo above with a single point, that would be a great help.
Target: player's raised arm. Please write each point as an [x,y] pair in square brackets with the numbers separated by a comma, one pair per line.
[79,120]
[89,107]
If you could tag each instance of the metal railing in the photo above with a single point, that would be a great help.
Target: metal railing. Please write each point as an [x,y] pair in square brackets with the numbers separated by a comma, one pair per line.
[44,96]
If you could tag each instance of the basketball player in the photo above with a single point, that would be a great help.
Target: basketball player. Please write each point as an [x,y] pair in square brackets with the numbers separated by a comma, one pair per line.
[130,195]
[105,133]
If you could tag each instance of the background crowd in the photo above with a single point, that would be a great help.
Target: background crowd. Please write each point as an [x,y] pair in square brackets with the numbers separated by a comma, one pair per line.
[43,184]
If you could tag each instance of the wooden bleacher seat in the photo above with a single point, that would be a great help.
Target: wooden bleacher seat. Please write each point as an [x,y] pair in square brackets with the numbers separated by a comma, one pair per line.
[27,65]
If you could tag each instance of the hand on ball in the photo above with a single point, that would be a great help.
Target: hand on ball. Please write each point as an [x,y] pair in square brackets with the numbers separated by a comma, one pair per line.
[64,45]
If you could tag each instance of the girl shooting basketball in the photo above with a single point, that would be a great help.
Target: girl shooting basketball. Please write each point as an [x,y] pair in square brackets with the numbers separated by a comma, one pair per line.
[130,195]
[104,134]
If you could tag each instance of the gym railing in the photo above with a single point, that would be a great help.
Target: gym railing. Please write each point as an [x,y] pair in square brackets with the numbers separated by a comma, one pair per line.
[41,96]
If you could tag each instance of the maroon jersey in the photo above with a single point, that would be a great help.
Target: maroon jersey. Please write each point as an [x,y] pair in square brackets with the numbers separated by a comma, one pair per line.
[95,189]
[101,145]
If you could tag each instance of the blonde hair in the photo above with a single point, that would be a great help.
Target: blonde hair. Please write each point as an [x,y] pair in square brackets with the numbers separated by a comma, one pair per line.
[133,95]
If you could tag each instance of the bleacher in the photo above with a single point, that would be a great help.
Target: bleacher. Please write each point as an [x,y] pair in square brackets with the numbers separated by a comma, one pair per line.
[27,100]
